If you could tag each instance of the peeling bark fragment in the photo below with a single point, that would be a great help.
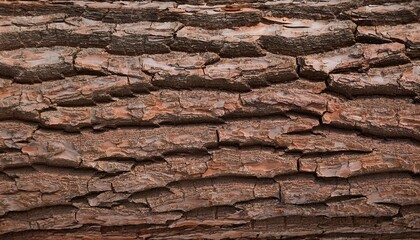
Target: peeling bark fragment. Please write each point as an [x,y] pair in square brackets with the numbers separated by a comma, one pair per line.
[387,157]
[270,208]
[304,189]
[69,119]
[32,65]
[12,134]
[391,14]
[394,188]
[379,116]
[107,199]
[397,80]
[406,34]
[359,57]
[52,151]
[303,37]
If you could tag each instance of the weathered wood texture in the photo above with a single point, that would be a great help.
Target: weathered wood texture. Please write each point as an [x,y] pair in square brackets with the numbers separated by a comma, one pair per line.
[209,119]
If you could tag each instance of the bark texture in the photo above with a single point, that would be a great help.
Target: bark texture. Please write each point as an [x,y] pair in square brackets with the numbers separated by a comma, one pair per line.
[210,119]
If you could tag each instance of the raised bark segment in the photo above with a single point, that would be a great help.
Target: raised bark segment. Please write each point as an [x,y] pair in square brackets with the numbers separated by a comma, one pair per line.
[124,12]
[230,74]
[279,133]
[152,109]
[358,57]
[257,132]
[28,101]
[310,9]
[267,228]
[397,80]
[378,116]
[187,196]
[106,11]
[276,99]
[270,208]
[183,196]
[391,14]
[146,37]
[190,167]
[216,16]
[13,133]
[32,65]
[156,108]
[85,90]
[406,34]
[213,17]
[212,14]
[14,159]
[240,42]
[305,189]
[16,32]
[192,70]
[387,157]
[21,103]
[125,144]
[307,37]
[57,187]
[288,37]
[55,30]
[122,215]
[394,188]
[48,218]
[250,162]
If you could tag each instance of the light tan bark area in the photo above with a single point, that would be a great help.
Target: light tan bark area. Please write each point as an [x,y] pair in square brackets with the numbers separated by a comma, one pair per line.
[209,119]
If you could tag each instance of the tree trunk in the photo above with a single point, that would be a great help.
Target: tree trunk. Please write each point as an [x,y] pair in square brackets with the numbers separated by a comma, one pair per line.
[209,120]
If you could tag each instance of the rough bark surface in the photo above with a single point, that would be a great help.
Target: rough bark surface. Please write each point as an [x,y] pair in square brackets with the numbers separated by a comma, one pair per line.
[210,119]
